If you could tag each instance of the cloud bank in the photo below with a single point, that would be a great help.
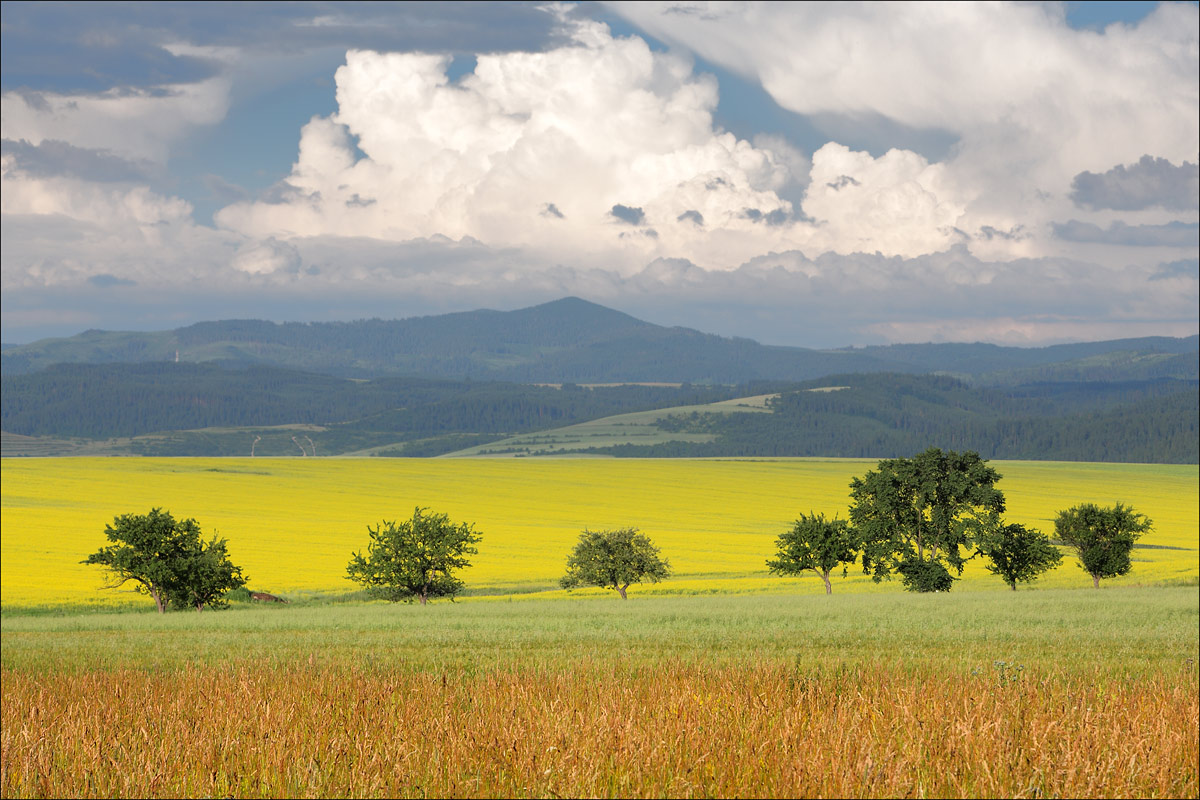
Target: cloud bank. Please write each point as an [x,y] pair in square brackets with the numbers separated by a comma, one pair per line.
[1148,183]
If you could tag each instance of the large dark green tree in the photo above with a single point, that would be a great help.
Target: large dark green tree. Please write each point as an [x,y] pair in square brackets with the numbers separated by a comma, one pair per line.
[916,516]
[168,560]
[614,559]
[1102,537]
[416,558]
[817,544]
[1017,553]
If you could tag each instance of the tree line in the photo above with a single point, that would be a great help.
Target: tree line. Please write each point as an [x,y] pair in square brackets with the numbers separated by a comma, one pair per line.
[112,400]
[921,518]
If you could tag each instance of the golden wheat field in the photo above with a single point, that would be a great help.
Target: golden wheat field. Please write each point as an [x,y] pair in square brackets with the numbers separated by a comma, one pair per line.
[760,730]
[292,523]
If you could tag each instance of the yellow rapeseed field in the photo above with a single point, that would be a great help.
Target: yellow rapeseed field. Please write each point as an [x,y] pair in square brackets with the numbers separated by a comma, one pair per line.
[292,523]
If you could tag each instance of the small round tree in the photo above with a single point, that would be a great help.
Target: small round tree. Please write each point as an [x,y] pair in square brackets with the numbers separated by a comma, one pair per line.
[416,558]
[1101,537]
[614,559]
[1017,553]
[817,544]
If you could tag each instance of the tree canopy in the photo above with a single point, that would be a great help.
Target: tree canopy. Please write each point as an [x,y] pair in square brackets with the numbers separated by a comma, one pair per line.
[915,515]
[416,558]
[1017,553]
[207,576]
[817,544]
[1102,537]
[168,560]
[614,559]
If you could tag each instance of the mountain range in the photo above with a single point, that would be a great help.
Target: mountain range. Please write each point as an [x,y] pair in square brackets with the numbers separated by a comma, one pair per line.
[573,340]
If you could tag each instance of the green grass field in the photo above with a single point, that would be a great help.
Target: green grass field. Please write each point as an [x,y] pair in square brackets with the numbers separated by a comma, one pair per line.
[1121,631]
[638,427]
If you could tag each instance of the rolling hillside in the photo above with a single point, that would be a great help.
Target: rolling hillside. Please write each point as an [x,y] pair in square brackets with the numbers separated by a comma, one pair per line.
[170,409]
[572,340]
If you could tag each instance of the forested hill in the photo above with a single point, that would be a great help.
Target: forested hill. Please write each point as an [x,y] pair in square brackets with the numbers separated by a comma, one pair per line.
[203,409]
[122,400]
[876,416]
[573,340]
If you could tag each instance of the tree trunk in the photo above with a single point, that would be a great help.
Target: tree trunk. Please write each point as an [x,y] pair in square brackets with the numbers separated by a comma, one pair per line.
[423,598]
[1095,581]
[825,577]
[1013,585]
[162,609]
[622,589]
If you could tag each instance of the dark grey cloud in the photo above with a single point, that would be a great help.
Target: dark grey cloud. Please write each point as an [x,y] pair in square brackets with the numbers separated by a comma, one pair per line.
[842,182]
[54,158]
[1185,268]
[1013,234]
[693,215]
[106,281]
[630,214]
[551,210]
[92,47]
[1148,183]
[1173,234]
[649,233]
[772,218]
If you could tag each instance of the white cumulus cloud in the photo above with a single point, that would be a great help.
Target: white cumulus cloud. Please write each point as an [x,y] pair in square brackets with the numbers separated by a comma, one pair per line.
[1032,102]
[601,122]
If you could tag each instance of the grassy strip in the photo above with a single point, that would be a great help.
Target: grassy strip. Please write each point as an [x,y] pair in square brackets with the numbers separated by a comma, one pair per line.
[1126,631]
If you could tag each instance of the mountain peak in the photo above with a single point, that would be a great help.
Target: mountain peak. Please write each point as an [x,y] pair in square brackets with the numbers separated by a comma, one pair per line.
[583,311]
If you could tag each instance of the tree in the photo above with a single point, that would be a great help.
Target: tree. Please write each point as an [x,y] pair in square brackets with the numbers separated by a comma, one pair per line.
[207,576]
[915,515]
[1101,537]
[614,559]
[817,544]
[415,558]
[1017,553]
[166,559]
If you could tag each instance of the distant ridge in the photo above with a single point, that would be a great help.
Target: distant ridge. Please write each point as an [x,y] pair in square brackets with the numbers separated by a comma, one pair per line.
[574,340]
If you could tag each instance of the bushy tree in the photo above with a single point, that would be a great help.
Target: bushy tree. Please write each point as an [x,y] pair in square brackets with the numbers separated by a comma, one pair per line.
[915,516]
[817,544]
[614,559]
[167,559]
[1101,537]
[207,576]
[416,558]
[1017,553]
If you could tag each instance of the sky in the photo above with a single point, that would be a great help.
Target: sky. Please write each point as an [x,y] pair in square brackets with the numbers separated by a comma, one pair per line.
[810,174]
